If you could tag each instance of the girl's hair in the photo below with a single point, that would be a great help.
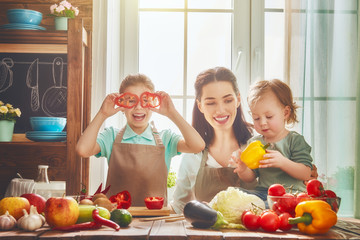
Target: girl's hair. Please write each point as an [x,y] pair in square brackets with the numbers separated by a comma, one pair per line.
[242,129]
[281,90]
[135,79]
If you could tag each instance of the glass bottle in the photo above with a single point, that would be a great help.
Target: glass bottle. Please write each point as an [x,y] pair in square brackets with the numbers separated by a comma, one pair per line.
[42,175]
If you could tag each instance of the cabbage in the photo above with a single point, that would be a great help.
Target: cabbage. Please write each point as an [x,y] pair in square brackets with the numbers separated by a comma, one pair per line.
[232,202]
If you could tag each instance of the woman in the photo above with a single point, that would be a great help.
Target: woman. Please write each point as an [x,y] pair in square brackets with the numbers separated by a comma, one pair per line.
[218,117]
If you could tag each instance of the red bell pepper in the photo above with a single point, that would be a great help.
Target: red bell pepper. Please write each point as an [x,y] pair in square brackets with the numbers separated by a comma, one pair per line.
[150,100]
[127,100]
[154,202]
[123,199]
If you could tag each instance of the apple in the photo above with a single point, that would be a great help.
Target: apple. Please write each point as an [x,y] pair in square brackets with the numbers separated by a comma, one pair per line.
[37,200]
[61,211]
[15,206]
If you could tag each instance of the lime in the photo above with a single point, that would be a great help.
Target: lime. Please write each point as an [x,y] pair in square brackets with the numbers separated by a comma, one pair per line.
[121,216]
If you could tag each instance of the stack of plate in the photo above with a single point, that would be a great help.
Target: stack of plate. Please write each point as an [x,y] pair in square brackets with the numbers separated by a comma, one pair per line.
[22,26]
[46,136]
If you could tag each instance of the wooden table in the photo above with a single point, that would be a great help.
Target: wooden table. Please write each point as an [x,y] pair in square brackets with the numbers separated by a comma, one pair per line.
[346,228]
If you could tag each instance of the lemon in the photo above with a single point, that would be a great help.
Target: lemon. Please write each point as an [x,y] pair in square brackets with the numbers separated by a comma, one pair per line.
[121,216]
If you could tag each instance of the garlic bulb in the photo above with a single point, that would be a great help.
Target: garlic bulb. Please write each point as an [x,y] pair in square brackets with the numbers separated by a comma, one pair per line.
[32,221]
[7,222]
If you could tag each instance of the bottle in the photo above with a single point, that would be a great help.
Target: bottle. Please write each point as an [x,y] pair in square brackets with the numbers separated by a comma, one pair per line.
[42,175]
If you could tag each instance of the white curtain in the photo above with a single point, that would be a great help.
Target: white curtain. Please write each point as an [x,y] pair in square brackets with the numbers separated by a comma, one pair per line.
[324,78]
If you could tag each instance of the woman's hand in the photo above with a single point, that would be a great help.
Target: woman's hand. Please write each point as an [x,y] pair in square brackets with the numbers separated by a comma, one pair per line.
[108,107]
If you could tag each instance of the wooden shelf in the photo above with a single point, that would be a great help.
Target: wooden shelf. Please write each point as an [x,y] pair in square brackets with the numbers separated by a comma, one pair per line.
[22,155]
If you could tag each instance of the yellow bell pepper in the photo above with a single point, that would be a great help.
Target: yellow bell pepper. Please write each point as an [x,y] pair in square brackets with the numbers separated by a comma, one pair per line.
[314,217]
[253,154]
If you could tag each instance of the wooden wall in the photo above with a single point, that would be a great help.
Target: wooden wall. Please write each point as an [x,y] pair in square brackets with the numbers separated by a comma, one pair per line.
[43,6]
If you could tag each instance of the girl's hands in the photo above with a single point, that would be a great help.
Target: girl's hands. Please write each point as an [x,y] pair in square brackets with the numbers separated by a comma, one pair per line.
[108,107]
[166,107]
[273,159]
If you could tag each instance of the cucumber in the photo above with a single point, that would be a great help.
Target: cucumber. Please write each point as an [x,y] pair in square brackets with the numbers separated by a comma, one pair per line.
[85,213]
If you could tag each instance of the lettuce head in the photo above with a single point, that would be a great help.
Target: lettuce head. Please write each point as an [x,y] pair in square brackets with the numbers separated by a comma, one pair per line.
[232,202]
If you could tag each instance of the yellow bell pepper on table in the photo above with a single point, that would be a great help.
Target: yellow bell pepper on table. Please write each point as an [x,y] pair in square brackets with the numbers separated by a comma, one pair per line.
[314,217]
[253,154]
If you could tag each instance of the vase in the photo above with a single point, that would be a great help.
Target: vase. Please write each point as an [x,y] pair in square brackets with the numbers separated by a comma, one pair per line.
[61,23]
[6,130]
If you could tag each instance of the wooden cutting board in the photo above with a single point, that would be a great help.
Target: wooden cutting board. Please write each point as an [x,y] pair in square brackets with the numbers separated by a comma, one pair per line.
[143,211]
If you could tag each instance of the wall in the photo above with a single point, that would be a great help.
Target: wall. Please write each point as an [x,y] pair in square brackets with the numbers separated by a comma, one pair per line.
[43,6]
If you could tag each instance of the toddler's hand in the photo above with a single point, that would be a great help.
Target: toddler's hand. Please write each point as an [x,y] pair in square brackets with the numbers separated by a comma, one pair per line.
[273,159]
[235,162]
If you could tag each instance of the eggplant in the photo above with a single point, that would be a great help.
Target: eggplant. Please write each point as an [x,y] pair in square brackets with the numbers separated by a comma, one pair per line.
[199,214]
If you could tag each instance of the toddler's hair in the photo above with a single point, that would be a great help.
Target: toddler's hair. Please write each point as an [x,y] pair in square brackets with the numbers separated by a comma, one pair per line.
[281,90]
[135,79]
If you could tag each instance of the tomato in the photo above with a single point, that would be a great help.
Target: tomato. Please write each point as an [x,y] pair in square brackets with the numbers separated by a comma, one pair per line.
[287,203]
[315,188]
[276,190]
[302,197]
[269,221]
[284,222]
[250,220]
[330,194]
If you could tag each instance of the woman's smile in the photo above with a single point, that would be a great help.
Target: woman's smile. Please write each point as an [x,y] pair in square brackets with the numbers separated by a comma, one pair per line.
[222,119]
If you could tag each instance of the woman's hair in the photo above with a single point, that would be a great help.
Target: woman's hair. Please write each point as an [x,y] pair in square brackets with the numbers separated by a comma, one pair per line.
[242,129]
[281,90]
[135,79]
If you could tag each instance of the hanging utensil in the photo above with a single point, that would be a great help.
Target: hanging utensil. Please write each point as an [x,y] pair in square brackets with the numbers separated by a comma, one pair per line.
[6,75]
[32,80]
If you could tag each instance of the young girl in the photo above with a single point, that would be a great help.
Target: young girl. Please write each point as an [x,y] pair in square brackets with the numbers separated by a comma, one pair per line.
[287,160]
[138,156]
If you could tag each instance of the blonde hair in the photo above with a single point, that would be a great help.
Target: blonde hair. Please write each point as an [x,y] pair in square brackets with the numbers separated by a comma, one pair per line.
[281,90]
[135,79]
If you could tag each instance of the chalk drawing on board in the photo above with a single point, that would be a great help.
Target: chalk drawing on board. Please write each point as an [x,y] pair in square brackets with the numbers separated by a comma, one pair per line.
[54,99]
[32,81]
[6,74]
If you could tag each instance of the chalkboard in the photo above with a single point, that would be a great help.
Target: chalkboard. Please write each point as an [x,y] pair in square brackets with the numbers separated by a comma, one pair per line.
[34,83]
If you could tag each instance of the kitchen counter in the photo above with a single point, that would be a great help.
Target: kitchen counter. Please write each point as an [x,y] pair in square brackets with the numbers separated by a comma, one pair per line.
[346,228]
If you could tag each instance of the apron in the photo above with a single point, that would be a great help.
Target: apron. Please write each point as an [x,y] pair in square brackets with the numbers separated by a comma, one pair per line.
[210,181]
[139,169]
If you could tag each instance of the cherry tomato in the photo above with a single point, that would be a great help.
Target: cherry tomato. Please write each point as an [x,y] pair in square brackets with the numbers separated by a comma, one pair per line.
[315,188]
[284,222]
[302,197]
[250,220]
[287,203]
[269,221]
[276,190]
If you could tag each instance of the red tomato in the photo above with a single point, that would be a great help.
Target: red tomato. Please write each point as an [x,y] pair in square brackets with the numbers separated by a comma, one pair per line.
[330,194]
[302,197]
[287,203]
[276,190]
[315,188]
[284,222]
[250,220]
[269,221]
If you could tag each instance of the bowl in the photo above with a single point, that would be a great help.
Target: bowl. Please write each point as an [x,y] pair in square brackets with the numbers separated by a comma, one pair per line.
[24,16]
[53,124]
[289,202]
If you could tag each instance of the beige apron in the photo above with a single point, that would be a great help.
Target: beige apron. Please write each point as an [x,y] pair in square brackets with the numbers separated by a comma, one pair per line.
[210,181]
[139,169]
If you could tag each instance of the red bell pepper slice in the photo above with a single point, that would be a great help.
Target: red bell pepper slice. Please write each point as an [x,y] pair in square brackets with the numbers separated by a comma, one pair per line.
[154,202]
[150,100]
[123,199]
[127,100]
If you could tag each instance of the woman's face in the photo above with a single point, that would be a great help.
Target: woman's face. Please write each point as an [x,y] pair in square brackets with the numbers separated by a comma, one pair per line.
[219,103]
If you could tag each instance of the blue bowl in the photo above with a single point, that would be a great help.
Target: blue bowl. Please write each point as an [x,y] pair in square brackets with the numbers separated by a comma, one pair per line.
[54,124]
[24,16]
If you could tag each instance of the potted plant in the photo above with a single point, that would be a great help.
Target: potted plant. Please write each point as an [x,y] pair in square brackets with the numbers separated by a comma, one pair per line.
[62,12]
[7,121]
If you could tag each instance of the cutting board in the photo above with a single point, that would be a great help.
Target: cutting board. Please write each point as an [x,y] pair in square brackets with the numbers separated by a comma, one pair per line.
[143,211]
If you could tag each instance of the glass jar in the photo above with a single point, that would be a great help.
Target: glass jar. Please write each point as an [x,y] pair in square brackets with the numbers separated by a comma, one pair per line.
[42,174]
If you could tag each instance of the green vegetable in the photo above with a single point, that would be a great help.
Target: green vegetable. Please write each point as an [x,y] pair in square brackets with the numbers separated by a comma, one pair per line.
[232,202]
[171,180]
